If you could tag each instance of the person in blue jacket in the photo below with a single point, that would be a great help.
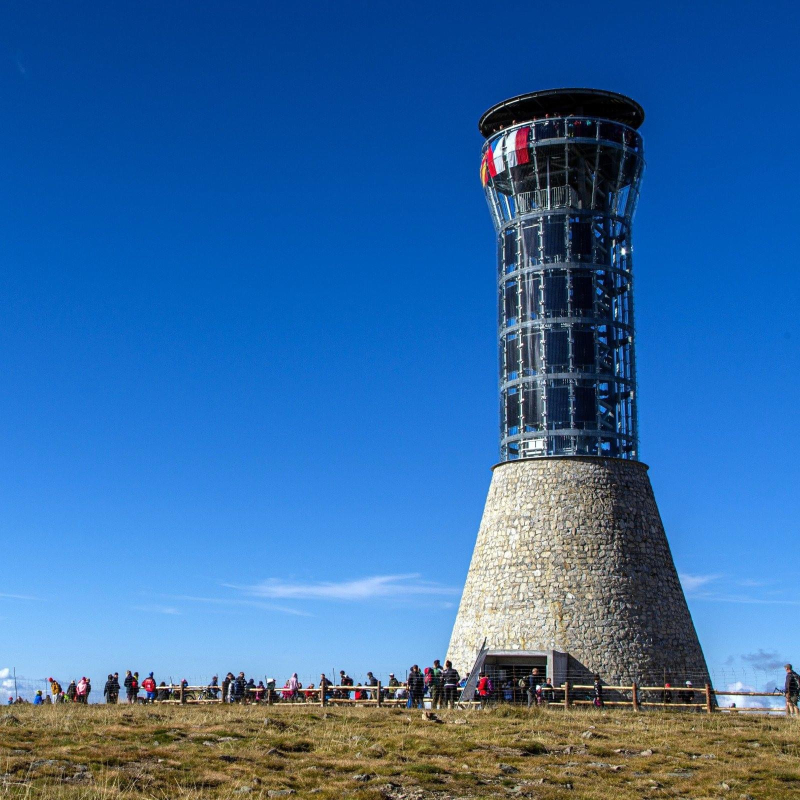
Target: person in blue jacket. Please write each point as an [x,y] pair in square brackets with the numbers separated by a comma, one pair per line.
[38,700]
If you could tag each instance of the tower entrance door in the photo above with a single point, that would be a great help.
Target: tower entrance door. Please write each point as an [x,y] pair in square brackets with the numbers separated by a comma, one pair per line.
[507,667]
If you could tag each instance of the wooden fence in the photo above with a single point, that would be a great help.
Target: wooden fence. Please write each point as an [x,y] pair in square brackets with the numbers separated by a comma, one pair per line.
[568,695]
[667,697]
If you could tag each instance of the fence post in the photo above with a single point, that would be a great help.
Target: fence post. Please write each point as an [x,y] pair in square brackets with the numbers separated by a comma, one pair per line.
[635,693]
[709,703]
[181,694]
[566,696]
[380,695]
[323,694]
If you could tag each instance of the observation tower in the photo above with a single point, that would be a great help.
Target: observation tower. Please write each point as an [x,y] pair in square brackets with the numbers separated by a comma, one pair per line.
[571,571]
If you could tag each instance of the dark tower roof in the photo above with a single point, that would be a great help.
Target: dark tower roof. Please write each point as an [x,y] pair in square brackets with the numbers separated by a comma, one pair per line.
[562,103]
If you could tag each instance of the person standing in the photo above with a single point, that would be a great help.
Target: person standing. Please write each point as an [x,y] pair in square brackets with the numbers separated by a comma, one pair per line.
[55,689]
[344,680]
[598,692]
[437,689]
[687,695]
[115,694]
[149,686]
[136,687]
[71,691]
[484,689]
[239,684]
[450,679]
[80,691]
[547,692]
[791,690]
[324,688]
[416,688]
[532,686]
[372,681]
[108,689]
[226,687]
[128,684]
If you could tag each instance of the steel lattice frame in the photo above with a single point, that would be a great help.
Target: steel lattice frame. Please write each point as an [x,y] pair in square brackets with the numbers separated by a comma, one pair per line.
[563,219]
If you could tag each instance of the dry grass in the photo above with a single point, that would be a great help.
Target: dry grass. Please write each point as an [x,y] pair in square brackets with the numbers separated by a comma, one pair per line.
[370,754]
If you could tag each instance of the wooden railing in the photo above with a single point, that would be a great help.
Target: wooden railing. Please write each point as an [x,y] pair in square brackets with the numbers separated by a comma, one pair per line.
[380,695]
[707,697]
[377,695]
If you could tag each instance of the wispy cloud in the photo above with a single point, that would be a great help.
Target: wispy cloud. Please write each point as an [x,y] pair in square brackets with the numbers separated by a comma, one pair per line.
[767,660]
[703,587]
[223,601]
[156,609]
[692,583]
[21,68]
[17,596]
[384,586]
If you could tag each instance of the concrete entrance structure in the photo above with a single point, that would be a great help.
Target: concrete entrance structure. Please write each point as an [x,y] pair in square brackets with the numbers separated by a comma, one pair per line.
[571,555]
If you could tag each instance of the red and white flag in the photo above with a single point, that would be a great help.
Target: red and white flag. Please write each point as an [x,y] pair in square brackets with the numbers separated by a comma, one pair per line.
[517,147]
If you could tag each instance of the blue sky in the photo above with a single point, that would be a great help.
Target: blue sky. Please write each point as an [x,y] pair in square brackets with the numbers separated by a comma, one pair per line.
[247,321]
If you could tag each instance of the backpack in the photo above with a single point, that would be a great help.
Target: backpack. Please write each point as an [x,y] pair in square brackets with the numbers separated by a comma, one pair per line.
[134,684]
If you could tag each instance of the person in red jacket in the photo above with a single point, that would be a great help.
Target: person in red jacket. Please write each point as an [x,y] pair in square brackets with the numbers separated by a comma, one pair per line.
[149,685]
[484,689]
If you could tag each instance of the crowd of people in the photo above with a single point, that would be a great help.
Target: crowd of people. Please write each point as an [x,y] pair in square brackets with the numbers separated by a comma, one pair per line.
[437,685]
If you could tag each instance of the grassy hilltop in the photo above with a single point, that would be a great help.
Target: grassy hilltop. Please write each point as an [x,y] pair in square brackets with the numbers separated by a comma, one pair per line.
[392,754]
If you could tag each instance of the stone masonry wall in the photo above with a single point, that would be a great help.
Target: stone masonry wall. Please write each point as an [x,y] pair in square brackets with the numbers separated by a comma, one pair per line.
[571,555]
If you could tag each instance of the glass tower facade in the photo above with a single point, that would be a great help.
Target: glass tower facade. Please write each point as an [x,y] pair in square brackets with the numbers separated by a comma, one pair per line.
[562,189]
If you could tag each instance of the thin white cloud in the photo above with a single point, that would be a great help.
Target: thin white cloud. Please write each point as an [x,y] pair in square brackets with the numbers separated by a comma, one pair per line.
[5,672]
[354,590]
[155,609]
[700,587]
[17,596]
[691,583]
[740,598]
[222,601]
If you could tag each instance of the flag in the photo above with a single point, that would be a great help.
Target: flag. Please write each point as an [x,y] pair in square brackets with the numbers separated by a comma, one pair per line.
[521,146]
[517,147]
[494,157]
[485,169]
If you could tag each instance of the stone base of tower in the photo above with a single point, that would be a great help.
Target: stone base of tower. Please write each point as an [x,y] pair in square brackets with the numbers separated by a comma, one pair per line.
[572,556]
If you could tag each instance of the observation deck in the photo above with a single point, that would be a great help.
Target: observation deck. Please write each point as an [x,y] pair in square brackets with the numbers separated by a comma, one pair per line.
[610,106]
